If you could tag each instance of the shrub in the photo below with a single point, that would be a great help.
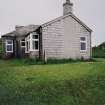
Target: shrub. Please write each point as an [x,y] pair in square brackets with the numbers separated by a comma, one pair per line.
[98,52]
[33,61]
[62,61]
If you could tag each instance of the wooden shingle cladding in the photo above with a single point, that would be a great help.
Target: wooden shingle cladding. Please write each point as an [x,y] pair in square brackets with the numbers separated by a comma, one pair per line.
[61,38]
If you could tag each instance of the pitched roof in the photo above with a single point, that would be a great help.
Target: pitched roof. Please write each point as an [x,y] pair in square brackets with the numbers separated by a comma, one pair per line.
[26,30]
[22,31]
[65,16]
[11,34]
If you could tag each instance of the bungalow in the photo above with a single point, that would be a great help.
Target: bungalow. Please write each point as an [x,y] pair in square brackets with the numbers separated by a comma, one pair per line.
[64,37]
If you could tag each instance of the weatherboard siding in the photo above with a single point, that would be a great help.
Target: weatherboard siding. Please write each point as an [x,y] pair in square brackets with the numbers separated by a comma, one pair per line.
[73,30]
[52,39]
[61,39]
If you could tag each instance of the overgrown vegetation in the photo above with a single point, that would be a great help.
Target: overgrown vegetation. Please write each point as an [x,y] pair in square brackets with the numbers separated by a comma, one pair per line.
[79,83]
[99,51]
[27,61]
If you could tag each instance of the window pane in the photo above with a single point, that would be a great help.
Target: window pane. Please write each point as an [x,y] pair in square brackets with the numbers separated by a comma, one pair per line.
[9,42]
[35,45]
[83,46]
[26,46]
[23,40]
[9,47]
[35,36]
[83,39]
[23,44]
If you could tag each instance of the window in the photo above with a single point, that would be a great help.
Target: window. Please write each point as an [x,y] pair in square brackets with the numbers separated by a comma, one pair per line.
[9,46]
[83,44]
[35,42]
[22,42]
[35,36]
[32,42]
[27,46]
[35,45]
[83,38]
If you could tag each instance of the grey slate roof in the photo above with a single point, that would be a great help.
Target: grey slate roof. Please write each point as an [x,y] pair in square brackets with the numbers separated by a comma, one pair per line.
[26,30]
[11,34]
[22,31]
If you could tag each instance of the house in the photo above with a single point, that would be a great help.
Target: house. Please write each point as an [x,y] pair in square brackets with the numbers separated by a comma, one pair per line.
[64,37]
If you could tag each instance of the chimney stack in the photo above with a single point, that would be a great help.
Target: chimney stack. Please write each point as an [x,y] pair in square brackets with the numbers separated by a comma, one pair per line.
[67,7]
[17,27]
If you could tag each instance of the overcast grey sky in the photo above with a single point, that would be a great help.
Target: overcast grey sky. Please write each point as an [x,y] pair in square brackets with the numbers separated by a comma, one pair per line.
[24,12]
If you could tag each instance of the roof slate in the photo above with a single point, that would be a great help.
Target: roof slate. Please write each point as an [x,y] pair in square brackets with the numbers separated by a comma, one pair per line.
[22,31]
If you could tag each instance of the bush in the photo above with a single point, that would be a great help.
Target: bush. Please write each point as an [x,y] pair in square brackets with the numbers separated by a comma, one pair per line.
[62,61]
[33,61]
[98,52]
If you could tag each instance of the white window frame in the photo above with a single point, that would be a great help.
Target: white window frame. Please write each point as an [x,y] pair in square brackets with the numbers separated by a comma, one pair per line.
[6,44]
[27,40]
[85,41]
[30,40]
[21,41]
[35,41]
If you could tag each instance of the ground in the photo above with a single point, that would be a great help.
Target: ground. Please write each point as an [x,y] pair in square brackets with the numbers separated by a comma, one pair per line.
[75,83]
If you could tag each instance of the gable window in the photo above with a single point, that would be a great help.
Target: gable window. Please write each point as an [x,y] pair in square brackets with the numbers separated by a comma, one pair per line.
[22,42]
[9,46]
[83,44]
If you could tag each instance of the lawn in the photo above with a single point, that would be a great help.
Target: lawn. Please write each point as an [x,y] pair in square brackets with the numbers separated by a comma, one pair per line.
[78,83]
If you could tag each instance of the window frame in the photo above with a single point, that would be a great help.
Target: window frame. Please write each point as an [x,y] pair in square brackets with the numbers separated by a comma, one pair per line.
[21,41]
[6,44]
[30,39]
[83,41]
[27,46]
[34,40]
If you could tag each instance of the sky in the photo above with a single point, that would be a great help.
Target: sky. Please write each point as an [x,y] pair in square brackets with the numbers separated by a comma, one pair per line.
[25,12]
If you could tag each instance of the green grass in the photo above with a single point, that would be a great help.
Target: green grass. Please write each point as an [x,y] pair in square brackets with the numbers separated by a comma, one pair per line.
[79,83]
